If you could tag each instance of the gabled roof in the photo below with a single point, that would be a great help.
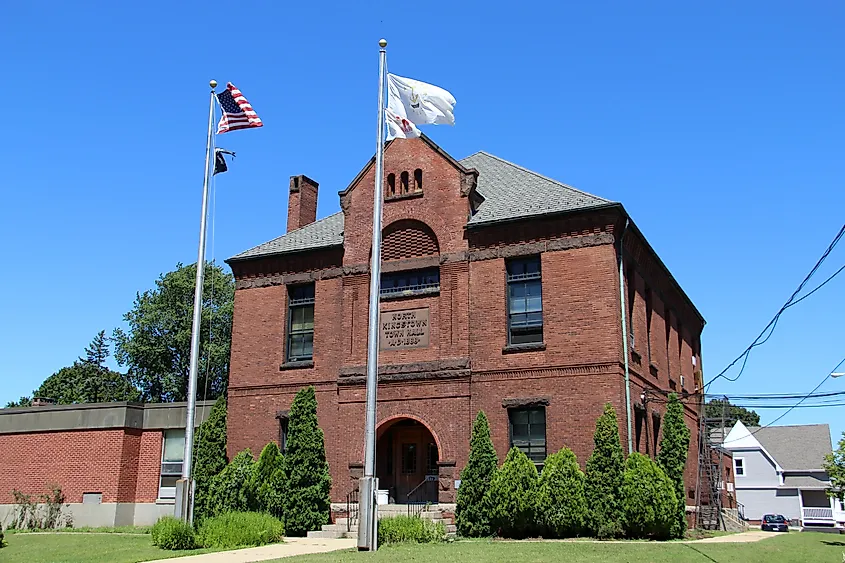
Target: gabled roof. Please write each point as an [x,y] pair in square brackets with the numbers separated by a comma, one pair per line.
[796,448]
[323,233]
[512,192]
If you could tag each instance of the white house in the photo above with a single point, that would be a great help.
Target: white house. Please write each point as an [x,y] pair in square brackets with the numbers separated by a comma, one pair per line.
[778,470]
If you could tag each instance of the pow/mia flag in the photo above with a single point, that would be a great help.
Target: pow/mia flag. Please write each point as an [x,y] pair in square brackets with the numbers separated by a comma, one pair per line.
[220,160]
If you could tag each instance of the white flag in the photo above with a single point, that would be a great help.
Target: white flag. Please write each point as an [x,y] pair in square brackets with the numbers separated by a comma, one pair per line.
[411,103]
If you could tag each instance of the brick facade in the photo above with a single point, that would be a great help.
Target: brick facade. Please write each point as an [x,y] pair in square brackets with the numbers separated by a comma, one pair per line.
[467,365]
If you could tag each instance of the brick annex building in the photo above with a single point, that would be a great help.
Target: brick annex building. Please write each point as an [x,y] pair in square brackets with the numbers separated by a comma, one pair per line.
[500,292]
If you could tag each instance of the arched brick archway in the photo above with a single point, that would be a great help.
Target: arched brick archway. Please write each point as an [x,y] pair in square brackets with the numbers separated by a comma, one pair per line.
[407,452]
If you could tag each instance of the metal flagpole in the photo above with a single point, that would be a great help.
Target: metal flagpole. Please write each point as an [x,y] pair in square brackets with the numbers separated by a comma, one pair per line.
[368,485]
[185,486]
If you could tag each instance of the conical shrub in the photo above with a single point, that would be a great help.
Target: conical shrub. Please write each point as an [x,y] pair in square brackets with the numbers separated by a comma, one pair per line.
[472,516]
[511,497]
[561,504]
[604,478]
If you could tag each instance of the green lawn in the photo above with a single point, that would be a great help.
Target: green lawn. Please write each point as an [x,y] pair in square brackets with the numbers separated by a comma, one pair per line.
[84,548]
[799,547]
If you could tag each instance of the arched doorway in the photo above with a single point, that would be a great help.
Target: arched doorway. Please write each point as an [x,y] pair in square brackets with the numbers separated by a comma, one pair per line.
[406,461]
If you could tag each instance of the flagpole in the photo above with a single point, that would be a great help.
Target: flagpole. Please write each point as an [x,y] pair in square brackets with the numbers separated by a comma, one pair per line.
[368,509]
[185,490]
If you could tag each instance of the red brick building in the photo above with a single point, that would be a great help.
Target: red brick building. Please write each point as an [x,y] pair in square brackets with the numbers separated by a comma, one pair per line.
[500,292]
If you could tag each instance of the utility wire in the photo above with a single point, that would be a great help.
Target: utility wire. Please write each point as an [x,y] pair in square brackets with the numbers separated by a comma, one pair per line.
[773,323]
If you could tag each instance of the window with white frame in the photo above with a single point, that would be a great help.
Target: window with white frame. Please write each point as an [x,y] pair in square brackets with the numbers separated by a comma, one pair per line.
[172,456]
[739,467]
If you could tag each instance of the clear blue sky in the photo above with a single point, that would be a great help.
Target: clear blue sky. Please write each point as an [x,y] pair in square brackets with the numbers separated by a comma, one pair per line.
[720,127]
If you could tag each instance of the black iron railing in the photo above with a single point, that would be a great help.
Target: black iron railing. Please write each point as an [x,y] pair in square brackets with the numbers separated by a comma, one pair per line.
[740,510]
[421,496]
[351,509]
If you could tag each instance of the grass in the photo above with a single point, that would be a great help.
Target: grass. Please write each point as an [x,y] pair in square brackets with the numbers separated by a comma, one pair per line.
[85,548]
[793,547]
[88,530]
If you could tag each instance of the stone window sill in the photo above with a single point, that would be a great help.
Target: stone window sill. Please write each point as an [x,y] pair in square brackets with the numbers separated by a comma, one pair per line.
[410,293]
[165,501]
[527,347]
[303,364]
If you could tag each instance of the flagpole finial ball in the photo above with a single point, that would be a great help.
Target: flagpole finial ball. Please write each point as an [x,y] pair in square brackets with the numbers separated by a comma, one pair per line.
[213,84]
[382,43]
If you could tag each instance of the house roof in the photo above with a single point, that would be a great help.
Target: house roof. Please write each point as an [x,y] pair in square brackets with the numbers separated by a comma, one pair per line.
[796,448]
[509,191]
[513,192]
[803,482]
[323,233]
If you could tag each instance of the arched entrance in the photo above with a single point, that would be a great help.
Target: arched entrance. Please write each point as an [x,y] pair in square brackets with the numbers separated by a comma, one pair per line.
[406,461]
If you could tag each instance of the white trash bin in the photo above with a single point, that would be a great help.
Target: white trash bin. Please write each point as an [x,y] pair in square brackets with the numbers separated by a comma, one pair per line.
[381,496]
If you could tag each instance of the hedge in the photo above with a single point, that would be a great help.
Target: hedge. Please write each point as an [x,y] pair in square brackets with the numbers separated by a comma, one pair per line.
[511,497]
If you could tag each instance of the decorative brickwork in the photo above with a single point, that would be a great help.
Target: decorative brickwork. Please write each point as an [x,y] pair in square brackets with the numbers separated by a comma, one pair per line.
[408,239]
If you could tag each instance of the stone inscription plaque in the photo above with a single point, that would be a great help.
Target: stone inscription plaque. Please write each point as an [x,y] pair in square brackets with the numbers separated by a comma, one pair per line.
[403,329]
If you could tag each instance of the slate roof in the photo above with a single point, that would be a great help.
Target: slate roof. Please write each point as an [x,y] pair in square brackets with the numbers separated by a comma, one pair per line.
[322,233]
[509,191]
[795,448]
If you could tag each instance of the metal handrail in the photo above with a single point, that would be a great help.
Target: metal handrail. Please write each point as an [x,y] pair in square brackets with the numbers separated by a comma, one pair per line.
[416,507]
[351,505]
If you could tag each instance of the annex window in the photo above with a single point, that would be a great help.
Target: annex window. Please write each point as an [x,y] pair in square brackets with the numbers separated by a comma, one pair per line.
[525,302]
[300,323]
[172,456]
[409,282]
[409,458]
[528,432]
[739,467]
[431,460]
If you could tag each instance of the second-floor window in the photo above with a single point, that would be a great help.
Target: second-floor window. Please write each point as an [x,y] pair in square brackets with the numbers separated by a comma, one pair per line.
[409,282]
[300,344]
[739,467]
[525,301]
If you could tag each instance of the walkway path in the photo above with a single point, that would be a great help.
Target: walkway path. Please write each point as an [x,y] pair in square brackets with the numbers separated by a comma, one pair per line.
[743,537]
[291,547]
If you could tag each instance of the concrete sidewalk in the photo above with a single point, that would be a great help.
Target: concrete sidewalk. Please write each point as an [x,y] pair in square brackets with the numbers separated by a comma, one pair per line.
[742,537]
[291,547]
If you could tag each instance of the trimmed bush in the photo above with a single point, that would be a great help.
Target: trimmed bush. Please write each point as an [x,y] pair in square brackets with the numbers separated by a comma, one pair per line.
[648,499]
[471,515]
[409,529]
[604,478]
[672,458]
[561,505]
[269,482]
[306,471]
[210,451]
[511,497]
[240,529]
[231,490]
[174,534]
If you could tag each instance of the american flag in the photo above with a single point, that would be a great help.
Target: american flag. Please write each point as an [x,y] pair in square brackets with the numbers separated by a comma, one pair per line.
[237,113]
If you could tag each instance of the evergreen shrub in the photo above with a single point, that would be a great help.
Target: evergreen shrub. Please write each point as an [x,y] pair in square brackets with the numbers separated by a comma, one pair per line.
[511,497]
[561,504]
[648,499]
[174,534]
[471,514]
[210,451]
[672,458]
[270,481]
[603,479]
[232,489]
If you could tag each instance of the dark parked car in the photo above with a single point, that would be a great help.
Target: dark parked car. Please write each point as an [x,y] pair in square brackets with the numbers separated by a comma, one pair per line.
[774,523]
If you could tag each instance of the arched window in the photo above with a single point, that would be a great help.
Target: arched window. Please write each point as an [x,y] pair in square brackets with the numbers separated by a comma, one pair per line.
[403,178]
[391,185]
[417,180]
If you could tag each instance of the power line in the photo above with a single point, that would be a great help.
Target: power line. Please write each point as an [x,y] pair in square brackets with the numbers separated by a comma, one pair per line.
[773,396]
[773,323]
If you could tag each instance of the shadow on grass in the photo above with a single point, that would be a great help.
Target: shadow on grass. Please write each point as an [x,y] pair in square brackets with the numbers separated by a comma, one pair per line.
[701,553]
[834,543]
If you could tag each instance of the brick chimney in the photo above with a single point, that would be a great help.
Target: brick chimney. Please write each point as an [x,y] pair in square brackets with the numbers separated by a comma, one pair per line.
[302,202]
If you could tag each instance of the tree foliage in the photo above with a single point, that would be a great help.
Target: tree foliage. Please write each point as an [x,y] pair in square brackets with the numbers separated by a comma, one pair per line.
[306,471]
[604,478]
[231,489]
[511,497]
[672,458]
[713,409]
[210,456]
[270,481]
[834,464]
[561,504]
[648,499]
[157,345]
[471,513]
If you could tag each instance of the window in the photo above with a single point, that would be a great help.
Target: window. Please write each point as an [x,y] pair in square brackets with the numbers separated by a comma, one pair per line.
[528,432]
[391,185]
[409,458]
[525,302]
[667,318]
[639,415]
[300,323]
[431,460]
[417,180]
[631,301]
[739,467]
[648,322]
[283,433]
[403,178]
[655,420]
[409,282]
[172,456]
